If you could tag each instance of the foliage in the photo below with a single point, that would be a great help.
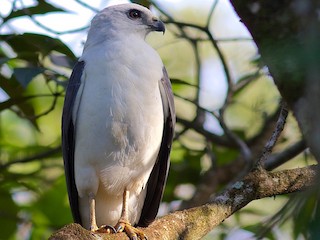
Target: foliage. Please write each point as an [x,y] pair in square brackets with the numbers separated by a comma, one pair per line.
[217,139]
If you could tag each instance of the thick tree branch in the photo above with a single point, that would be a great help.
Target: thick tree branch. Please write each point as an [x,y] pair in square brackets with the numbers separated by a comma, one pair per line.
[196,222]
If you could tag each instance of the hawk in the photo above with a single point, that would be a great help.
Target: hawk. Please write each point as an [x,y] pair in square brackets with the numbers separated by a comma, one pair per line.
[118,124]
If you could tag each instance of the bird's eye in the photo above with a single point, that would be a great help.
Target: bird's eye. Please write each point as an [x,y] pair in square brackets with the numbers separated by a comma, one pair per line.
[134,14]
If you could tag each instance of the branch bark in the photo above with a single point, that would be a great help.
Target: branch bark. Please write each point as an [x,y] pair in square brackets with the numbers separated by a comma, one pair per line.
[194,223]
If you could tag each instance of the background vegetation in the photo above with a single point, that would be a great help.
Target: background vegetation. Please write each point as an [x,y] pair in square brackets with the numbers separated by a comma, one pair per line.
[227,108]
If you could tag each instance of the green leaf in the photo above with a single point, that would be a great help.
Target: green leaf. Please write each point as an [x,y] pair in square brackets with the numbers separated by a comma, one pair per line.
[8,213]
[145,3]
[25,75]
[41,8]
[175,81]
[11,102]
[304,215]
[15,91]
[256,228]
[31,57]
[186,169]
[36,43]
[53,205]
[224,155]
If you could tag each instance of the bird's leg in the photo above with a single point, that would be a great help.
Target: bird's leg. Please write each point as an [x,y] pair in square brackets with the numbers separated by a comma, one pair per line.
[124,224]
[92,204]
[93,221]
[124,213]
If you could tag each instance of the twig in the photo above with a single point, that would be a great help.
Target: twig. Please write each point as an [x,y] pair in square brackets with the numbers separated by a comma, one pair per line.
[200,113]
[274,137]
[219,140]
[278,159]
[50,109]
[87,6]
[32,158]
[213,6]
[39,24]
[242,145]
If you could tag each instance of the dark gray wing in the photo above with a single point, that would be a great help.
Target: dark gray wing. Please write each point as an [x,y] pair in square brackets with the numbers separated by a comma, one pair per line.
[68,138]
[158,177]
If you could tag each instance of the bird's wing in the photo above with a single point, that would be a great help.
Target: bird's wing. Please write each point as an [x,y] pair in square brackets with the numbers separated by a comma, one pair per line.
[68,138]
[158,177]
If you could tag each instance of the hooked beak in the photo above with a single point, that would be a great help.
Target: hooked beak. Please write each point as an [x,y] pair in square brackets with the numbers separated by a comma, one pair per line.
[157,25]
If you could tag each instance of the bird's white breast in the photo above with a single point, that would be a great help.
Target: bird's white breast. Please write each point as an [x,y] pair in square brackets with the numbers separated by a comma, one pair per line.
[118,116]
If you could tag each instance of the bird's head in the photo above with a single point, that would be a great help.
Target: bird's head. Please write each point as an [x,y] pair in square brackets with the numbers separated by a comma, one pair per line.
[125,19]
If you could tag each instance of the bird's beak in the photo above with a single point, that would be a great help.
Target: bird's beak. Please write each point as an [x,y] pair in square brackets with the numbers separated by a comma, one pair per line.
[157,25]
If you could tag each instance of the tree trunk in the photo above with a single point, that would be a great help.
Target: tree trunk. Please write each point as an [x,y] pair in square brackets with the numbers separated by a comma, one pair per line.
[287,34]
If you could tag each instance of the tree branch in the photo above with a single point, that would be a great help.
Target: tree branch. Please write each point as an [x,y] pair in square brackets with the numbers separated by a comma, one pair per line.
[195,223]
[280,158]
[275,135]
[35,157]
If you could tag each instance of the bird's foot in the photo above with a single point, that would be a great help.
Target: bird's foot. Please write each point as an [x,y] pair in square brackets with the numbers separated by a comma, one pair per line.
[93,227]
[105,229]
[132,232]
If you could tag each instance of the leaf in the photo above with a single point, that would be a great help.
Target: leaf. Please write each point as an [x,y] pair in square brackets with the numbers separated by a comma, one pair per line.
[145,3]
[256,228]
[182,82]
[8,213]
[15,91]
[53,204]
[25,75]
[305,212]
[41,8]
[36,43]
[11,102]
[184,170]
[224,155]
[31,57]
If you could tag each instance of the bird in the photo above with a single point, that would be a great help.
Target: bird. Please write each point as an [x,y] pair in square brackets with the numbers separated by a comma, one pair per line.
[118,124]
